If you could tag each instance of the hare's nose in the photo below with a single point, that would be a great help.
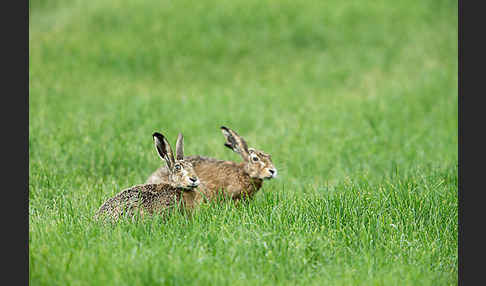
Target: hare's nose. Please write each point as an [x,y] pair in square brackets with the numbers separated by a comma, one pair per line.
[193,179]
[272,171]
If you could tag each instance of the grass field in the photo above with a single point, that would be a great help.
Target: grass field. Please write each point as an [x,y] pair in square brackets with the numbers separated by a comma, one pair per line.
[355,100]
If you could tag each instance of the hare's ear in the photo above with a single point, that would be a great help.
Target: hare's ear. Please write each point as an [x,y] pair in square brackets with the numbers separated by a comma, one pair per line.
[235,142]
[180,147]
[164,150]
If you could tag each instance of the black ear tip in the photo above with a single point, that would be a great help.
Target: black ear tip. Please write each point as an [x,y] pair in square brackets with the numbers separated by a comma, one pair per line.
[158,135]
[224,127]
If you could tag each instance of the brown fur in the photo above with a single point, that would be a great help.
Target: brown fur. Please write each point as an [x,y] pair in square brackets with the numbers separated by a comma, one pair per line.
[148,199]
[178,189]
[232,179]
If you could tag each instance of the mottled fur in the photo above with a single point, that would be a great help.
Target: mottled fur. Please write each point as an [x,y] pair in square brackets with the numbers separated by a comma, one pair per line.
[235,180]
[179,188]
[148,199]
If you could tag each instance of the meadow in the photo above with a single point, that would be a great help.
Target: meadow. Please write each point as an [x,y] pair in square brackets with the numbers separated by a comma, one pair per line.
[357,101]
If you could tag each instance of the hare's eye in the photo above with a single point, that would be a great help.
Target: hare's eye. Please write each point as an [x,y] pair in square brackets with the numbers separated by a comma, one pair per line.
[177,168]
[255,158]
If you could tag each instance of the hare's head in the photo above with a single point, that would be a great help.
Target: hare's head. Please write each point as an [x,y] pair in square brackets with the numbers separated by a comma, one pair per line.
[258,164]
[181,173]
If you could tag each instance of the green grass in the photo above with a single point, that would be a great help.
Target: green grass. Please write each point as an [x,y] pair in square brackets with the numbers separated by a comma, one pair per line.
[355,100]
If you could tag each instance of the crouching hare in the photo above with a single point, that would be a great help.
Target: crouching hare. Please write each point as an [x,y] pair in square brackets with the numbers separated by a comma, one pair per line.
[178,189]
[233,179]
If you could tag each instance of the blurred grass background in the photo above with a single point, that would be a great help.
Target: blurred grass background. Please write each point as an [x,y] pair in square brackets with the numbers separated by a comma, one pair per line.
[353,99]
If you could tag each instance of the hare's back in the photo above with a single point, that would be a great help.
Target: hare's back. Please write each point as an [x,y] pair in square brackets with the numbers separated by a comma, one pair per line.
[153,197]
[221,175]
[144,198]
[122,202]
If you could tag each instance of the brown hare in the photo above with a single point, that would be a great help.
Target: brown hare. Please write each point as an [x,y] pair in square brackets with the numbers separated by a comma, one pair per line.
[179,188]
[234,180]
